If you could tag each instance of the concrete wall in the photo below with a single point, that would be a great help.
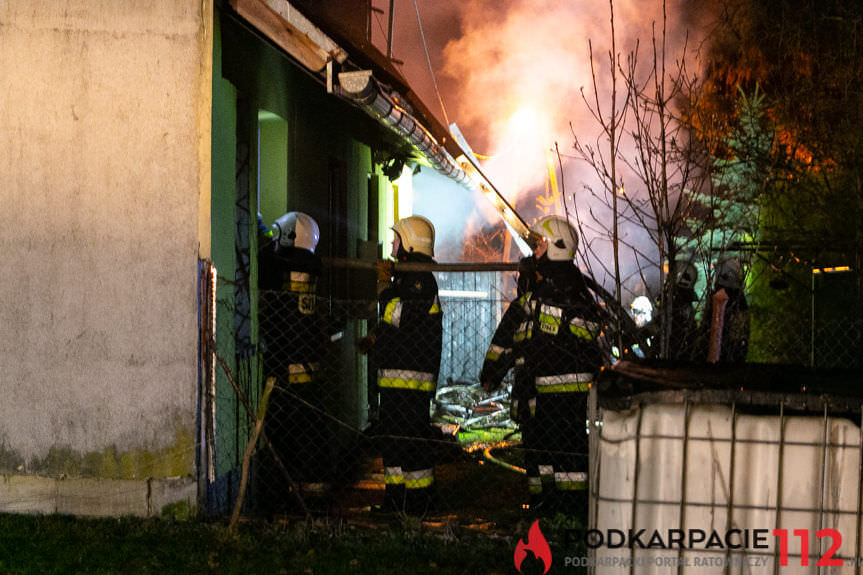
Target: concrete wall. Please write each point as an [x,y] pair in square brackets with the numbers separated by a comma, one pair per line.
[104,186]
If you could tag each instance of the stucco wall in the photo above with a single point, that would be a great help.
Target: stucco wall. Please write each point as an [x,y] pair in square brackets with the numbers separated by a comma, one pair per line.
[104,119]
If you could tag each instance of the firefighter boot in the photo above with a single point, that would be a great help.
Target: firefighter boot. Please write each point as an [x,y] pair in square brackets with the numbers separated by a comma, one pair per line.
[394,498]
[418,501]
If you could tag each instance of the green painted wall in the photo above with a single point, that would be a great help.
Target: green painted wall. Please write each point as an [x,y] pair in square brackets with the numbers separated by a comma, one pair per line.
[273,165]
[223,253]
[326,145]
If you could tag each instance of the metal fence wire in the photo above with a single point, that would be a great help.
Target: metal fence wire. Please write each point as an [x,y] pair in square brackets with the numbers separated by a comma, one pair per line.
[346,430]
[778,450]
[331,440]
[343,434]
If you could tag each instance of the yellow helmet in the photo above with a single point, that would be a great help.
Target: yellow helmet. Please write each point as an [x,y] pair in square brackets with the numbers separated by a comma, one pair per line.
[416,234]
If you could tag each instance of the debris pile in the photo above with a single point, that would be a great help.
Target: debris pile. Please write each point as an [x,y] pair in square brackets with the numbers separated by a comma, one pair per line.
[466,406]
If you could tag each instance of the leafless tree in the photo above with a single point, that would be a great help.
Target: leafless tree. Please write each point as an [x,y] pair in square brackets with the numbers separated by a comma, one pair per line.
[672,177]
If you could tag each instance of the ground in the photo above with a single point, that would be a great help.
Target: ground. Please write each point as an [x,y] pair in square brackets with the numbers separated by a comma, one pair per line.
[383,546]
[477,521]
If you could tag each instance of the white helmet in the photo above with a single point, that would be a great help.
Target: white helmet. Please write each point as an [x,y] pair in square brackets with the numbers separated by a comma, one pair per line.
[687,274]
[416,234]
[296,229]
[561,236]
[729,274]
[642,310]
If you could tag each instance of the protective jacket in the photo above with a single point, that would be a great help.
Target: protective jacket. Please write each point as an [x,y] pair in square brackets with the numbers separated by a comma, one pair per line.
[294,343]
[407,353]
[290,328]
[548,334]
[550,337]
[682,341]
[409,333]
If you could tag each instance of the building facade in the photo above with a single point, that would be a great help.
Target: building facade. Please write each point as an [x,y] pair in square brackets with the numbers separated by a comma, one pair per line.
[138,143]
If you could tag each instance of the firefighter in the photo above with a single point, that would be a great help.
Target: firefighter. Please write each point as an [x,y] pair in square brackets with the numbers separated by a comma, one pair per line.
[683,326]
[295,343]
[727,333]
[406,349]
[549,336]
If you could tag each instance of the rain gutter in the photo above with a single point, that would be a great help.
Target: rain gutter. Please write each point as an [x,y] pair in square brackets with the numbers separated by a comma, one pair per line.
[365,91]
[288,29]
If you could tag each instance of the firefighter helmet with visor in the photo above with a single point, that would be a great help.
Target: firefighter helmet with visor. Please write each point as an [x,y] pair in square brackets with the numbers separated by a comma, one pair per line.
[561,237]
[297,230]
[416,234]
[729,274]
[687,274]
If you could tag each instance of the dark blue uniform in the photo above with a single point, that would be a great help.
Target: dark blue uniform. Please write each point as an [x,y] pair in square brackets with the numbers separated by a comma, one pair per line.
[407,354]
[294,347]
[550,337]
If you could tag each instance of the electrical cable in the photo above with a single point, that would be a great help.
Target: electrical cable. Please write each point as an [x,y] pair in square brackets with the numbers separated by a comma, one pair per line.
[380,25]
[428,60]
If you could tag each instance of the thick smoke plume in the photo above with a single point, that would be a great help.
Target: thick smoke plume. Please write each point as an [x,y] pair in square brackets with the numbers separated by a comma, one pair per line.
[512,74]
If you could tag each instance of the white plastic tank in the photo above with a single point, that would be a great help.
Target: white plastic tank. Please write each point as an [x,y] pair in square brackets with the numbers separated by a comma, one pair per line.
[732,471]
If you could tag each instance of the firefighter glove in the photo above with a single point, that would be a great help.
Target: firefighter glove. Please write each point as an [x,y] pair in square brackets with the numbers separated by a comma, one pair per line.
[384,270]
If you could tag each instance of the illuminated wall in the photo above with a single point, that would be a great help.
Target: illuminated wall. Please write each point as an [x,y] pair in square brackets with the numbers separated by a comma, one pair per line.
[105,168]
[396,202]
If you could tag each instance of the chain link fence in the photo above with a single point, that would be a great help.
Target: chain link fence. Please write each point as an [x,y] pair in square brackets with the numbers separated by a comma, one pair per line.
[341,434]
[324,440]
[333,440]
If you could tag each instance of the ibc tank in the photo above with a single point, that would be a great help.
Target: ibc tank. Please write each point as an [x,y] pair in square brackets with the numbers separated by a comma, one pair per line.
[683,449]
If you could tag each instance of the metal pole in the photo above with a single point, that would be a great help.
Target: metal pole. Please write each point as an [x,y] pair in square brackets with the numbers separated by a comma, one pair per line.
[812,322]
[634,512]
[857,546]
[779,482]
[728,518]
[390,35]
[824,462]
[681,521]
[594,461]
[421,266]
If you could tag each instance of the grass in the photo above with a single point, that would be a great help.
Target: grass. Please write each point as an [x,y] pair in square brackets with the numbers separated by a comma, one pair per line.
[62,544]
[475,531]
[49,544]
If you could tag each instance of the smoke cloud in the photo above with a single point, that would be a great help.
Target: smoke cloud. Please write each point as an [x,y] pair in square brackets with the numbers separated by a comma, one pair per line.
[511,75]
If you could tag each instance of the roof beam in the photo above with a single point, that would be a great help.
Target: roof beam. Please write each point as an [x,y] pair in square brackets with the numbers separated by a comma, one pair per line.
[284,34]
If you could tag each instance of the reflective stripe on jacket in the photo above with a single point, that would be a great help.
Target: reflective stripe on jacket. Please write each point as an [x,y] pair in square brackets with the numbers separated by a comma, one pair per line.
[407,379]
[409,337]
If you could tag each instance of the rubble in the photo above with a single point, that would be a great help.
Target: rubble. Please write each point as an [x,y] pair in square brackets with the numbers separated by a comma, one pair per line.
[465,404]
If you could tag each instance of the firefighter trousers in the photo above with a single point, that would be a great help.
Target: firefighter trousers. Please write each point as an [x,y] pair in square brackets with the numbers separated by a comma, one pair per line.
[299,432]
[408,455]
[556,445]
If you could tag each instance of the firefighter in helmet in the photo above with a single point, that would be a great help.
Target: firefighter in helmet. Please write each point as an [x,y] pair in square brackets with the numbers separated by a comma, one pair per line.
[728,332]
[681,342]
[294,342]
[549,335]
[406,351]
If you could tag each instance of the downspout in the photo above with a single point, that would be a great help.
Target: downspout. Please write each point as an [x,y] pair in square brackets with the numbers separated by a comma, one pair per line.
[363,90]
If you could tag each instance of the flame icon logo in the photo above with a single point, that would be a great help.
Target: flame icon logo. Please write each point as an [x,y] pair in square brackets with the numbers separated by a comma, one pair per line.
[537,544]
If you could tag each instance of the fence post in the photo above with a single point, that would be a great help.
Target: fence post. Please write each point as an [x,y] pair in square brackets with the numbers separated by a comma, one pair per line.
[247,456]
